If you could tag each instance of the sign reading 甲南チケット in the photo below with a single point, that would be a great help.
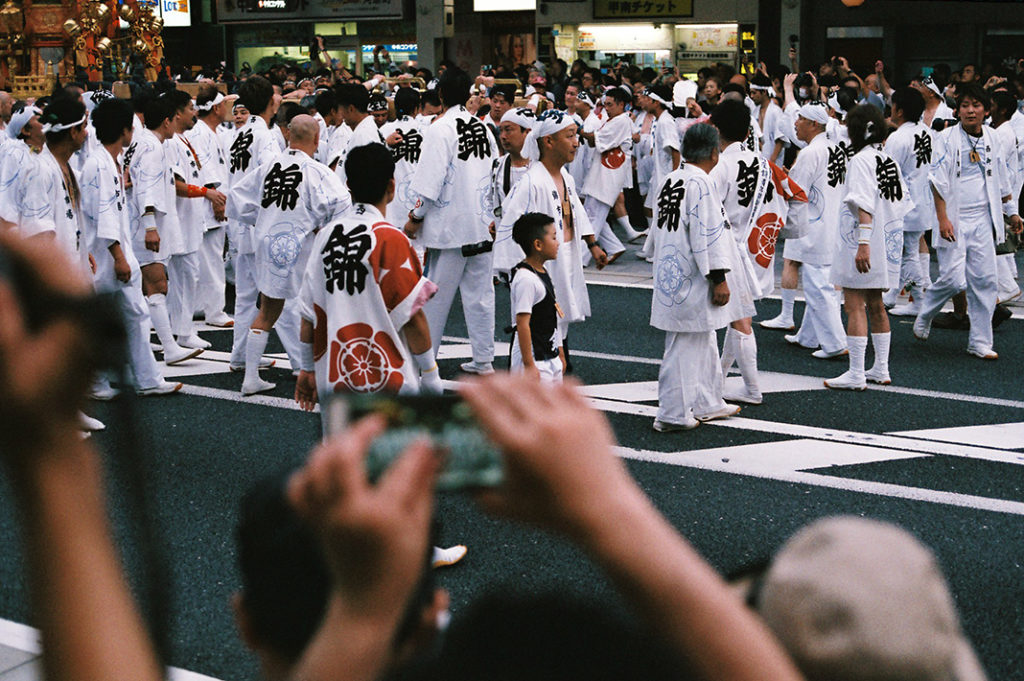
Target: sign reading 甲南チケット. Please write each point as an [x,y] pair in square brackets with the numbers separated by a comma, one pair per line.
[296,10]
[642,9]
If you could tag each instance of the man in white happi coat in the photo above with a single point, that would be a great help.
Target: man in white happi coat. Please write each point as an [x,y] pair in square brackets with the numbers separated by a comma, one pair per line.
[328,116]
[505,174]
[107,233]
[25,140]
[694,254]
[586,122]
[211,107]
[935,107]
[548,188]
[192,199]
[353,100]
[404,137]
[156,232]
[288,199]
[911,146]
[820,169]
[610,171]
[452,183]
[1004,105]
[769,113]
[972,196]
[665,154]
[250,147]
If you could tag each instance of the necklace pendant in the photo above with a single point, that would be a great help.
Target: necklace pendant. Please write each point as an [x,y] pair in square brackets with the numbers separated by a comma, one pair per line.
[975,157]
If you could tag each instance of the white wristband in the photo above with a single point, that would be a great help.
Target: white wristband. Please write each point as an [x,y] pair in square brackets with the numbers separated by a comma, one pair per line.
[306,361]
[425,361]
[864,234]
[1009,208]
[148,221]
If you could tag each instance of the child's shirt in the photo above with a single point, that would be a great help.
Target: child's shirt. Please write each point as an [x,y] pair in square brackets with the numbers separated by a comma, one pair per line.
[534,294]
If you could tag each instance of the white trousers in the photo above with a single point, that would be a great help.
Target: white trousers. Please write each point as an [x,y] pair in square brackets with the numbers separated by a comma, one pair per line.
[210,299]
[287,328]
[1007,266]
[910,268]
[690,377]
[598,211]
[145,371]
[968,263]
[473,279]
[182,283]
[246,295]
[822,325]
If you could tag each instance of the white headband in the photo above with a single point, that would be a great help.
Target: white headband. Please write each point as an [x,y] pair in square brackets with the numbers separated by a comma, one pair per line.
[522,117]
[548,123]
[764,88]
[20,119]
[833,102]
[929,83]
[814,111]
[587,98]
[61,127]
[208,106]
[654,95]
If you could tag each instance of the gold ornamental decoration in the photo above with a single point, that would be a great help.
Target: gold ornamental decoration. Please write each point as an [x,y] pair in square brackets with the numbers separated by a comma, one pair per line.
[102,31]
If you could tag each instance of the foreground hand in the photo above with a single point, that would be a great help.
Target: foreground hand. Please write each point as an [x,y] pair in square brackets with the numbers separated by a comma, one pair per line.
[863,258]
[601,258]
[122,270]
[152,241]
[1016,224]
[946,230]
[720,294]
[305,390]
[375,537]
[218,199]
[411,228]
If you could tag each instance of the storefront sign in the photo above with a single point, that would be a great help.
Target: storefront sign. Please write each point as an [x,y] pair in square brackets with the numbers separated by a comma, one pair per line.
[642,9]
[294,10]
[175,12]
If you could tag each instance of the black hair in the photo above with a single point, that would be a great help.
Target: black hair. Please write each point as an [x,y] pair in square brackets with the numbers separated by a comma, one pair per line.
[665,92]
[110,119]
[530,227]
[180,98]
[734,87]
[910,101]
[406,101]
[288,111]
[847,99]
[158,110]
[326,102]
[1005,101]
[973,90]
[207,93]
[255,93]
[62,110]
[141,99]
[619,95]
[454,87]
[507,91]
[368,169]
[732,118]
[431,98]
[352,94]
[866,125]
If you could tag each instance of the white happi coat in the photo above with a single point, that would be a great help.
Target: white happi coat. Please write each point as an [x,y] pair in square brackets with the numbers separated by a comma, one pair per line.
[1011,145]
[911,145]
[875,185]
[362,284]
[610,169]
[406,155]
[286,199]
[48,205]
[820,169]
[16,162]
[453,180]
[770,129]
[643,149]
[213,167]
[504,176]
[105,218]
[692,238]
[151,176]
[580,165]
[945,178]
[366,132]
[536,193]
[336,143]
[664,138]
[190,210]
[251,146]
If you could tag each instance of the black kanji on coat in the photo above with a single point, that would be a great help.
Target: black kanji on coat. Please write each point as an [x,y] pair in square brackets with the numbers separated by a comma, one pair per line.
[473,140]
[836,165]
[281,186]
[409,148]
[669,200]
[343,254]
[129,152]
[240,154]
[923,149]
[746,181]
[888,175]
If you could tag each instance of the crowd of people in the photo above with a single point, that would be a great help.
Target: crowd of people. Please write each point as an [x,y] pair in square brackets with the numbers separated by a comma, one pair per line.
[347,213]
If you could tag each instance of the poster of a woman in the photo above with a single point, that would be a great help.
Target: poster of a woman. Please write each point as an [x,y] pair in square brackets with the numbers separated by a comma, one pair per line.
[516,49]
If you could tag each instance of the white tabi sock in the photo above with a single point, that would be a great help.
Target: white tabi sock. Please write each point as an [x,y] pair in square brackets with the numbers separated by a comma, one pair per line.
[746,356]
[729,350]
[255,344]
[627,227]
[858,348]
[926,269]
[880,342]
[788,300]
[161,322]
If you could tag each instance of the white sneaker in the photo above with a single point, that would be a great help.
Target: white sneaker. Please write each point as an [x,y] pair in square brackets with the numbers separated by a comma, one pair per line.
[89,424]
[484,369]
[104,394]
[194,341]
[1007,296]
[449,556]
[821,354]
[162,388]
[257,386]
[846,381]
[878,376]
[180,354]
[723,413]
[665,427]
[922,327]
[265,363]
[983,353]
[780,322]
[743,396]
[911,309]
[222,320]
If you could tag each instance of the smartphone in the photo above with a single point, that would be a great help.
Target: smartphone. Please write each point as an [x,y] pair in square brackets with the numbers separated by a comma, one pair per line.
[471,460]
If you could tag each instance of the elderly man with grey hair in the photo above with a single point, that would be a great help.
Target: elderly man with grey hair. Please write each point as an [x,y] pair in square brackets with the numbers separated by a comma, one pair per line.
[694,295]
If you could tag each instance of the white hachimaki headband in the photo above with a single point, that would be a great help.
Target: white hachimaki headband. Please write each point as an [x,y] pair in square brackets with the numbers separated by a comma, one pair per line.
[814,111]
[548,123]
[377,105]
[61,127]
[656,97]
[208,106]
[929,83]
[522,117]
[764,88]
[587,98]
[20,119]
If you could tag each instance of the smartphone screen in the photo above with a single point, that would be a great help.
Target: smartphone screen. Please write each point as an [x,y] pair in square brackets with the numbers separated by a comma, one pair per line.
[471,460]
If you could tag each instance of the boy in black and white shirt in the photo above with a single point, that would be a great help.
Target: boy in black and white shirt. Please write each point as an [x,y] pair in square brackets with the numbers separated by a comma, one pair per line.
[537,343]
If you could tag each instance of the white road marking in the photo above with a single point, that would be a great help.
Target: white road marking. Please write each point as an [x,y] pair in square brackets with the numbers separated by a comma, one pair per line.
[997,435]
